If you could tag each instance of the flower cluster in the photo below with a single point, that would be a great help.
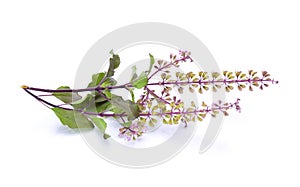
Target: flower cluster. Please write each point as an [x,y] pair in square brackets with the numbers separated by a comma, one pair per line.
[176,113]
[135,130]
[204,81]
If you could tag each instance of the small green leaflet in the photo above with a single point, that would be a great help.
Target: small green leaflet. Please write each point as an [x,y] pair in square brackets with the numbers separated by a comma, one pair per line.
[114,63]
[126,106]
[101,124]
[72,118]
[141,81]
[133,76]
[133,73]
[131,93]
[109,82]
[66,97]
[96,78]
[152,61]
[105,136]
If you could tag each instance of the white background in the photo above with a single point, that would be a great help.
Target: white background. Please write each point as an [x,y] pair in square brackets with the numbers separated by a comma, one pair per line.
[42,44]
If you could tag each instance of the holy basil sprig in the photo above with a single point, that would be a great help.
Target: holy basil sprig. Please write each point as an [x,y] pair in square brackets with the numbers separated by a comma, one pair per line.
[90,110]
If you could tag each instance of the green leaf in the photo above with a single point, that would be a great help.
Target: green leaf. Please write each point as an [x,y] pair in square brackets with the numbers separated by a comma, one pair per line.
[133,77]
[96,78]
[114,63]
[101,124]
[66,97]
[129,107]
[72,118]
[99,107]
[152,61]
[133,73]
[116,110]
[105,136]
[132,94]
[99,98]
[109,82]
[82,103]
[93,103]
[141,81]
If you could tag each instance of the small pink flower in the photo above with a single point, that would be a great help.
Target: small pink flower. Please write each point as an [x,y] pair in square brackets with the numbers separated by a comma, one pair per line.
[133,131]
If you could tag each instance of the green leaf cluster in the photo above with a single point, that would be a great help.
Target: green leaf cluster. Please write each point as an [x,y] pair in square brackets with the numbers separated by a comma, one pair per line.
[100,100]
[125,106]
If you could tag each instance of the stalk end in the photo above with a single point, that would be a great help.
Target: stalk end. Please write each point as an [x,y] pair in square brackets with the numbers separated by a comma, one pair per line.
[24,87]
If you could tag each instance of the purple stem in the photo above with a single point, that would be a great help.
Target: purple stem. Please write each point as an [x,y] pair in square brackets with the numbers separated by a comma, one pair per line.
[167,65]
[151,84]
[45,102]
[155,95]
[212,82]
[58,91]
[142,114]
[229,106]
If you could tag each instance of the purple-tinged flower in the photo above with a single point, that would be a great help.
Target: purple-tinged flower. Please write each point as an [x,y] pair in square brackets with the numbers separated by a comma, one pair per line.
[135,130]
